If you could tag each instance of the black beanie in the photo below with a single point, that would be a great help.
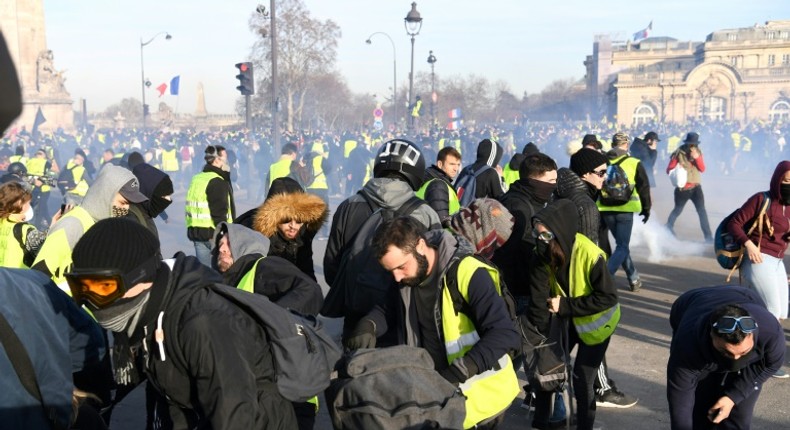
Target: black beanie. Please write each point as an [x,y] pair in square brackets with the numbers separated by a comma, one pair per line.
[530,149]
[115,243]
[586,160]
[135,158]
[489,152]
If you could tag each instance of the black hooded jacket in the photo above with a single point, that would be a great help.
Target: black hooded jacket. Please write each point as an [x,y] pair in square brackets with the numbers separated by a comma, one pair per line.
[489,183]
[570,186]
[437,194]
[562,219]
[217,370]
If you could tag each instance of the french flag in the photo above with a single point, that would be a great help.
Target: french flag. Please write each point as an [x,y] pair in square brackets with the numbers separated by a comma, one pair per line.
[644,33]
[455,113]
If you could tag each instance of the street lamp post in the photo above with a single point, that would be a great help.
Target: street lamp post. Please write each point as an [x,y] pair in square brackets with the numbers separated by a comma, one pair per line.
[394,74]
[142,67]
[432,61]
[413,23]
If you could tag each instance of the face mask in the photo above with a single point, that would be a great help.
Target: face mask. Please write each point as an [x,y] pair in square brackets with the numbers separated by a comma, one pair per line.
[784,192]
[225,166]
[28,214]
[118,212]
[542,189]
[543,251]
[123,314]
[727,364]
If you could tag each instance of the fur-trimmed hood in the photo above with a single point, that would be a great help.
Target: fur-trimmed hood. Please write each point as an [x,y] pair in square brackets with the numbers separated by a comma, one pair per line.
[303,207]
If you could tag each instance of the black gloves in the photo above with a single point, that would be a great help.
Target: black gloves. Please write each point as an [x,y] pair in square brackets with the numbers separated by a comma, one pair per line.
[363,336]
[459,370]
[645,215]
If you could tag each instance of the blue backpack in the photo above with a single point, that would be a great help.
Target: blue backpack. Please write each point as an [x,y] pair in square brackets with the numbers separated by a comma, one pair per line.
[729,253]
[466,184]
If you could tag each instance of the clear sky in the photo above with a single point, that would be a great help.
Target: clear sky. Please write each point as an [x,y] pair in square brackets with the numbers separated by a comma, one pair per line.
[527,44]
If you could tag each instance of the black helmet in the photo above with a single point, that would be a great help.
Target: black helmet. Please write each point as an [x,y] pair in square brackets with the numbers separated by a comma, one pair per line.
[400,156]
[17,168]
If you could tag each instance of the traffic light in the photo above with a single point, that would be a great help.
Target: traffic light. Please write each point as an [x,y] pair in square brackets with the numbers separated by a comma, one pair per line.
[246,79]
[146,112]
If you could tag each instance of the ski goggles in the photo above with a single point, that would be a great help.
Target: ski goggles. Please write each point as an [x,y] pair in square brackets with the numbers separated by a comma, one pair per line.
[545,236]
[102,287]
[726,325]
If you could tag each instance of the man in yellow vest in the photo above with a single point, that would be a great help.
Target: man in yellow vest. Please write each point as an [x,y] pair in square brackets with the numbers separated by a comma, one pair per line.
[242,261]
[76,178]
[468,348]
[319,159]
[282,167]
[39,166]
[209,201]
[620,218]
[416,109]
[437,190]
[170,159]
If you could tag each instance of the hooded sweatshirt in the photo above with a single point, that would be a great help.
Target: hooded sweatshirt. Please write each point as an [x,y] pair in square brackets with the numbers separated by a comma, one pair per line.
[774,244]
[562,219]
[488,183]
[55,254]
[276,278]
[570,186]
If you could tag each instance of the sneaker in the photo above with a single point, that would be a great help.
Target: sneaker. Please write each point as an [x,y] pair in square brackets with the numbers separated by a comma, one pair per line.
[781,374]
[615,399]
[636,285]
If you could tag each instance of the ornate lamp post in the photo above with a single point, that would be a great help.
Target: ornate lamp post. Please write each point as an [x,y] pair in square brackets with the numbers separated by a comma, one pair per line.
[142,68]
[394,74]
[432,61]
[413,23]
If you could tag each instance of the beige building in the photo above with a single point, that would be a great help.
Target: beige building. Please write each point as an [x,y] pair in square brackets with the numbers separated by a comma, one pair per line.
[738,74]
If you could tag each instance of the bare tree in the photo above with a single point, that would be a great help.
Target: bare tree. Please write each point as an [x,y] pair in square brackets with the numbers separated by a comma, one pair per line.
[306,48]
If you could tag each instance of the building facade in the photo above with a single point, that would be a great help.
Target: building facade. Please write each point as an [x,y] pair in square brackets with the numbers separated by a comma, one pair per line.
[738,74]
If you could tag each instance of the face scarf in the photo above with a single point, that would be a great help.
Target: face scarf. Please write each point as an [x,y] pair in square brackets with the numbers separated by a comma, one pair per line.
[727,364]
[541,189]
[119,212]
[784,193]
[543,251]
[122,315]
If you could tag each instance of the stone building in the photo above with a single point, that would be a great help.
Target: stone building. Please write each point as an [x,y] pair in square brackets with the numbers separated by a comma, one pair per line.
[740,74]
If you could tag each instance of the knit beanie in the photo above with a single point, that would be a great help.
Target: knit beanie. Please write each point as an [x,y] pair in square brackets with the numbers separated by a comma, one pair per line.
[586,160]
[485,223]
[489,152]
[115,243]
[530,149]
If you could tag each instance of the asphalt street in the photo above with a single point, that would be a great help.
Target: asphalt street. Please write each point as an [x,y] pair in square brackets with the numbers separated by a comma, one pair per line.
[639,349]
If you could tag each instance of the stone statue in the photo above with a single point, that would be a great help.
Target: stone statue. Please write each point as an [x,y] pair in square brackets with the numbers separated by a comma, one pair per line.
[49,80]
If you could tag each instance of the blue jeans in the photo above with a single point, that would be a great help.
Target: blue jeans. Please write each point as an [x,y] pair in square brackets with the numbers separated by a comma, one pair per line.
[203,252]
[621,224]
[769,279]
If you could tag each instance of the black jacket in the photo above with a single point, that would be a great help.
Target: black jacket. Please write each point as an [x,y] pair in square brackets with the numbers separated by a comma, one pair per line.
[280,281]
[646,155]
[218,370]
[570,186]
[437,194]
[218,193]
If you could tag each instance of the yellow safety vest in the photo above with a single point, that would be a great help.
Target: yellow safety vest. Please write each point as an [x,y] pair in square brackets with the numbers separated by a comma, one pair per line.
[596,328]
[280,169]
[56,252]
[453,204]
[12,253]
[634,203]
[319,183]
[490,392]
[37,167]
[197,210]
[510,175]
[77,172]
[349,146]
[415,112]
[170,160]
[18,159]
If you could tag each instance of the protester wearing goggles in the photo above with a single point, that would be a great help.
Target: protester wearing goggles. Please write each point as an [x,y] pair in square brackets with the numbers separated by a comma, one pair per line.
[204,354]
[725,345]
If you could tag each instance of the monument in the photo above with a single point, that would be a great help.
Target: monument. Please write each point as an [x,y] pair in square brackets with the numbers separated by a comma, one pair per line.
[43,86]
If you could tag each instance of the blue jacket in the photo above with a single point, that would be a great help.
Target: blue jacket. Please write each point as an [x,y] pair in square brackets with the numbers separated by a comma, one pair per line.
[60,339]
[692,357]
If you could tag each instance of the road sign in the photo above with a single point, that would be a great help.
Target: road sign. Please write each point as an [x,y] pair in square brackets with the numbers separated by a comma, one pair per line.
[378,113]
[378,125]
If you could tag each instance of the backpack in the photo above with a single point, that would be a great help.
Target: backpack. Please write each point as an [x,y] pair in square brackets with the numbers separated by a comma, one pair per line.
[729,253]
[543,359]
[466,184]
[304,352]
[393,388]
[361,282]
[616,190]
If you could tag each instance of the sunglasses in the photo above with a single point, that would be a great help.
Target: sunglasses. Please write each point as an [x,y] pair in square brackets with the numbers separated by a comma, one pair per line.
[726,325]
[600,173]
[545,236]
[102,287]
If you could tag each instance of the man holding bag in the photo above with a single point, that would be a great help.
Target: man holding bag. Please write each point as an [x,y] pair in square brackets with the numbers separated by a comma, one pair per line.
[689,157]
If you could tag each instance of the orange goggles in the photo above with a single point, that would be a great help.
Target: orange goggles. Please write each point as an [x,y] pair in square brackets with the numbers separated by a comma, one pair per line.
[102,287]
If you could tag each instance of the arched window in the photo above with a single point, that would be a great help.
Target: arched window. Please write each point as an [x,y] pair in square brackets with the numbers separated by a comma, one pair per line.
[644,113]
[779,111]
[713,108]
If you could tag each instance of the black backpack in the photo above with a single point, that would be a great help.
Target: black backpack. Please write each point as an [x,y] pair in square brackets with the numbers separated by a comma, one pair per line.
[361,282]
[66,180]
[304,352]
[617,189]
[466,184]
[392,389]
